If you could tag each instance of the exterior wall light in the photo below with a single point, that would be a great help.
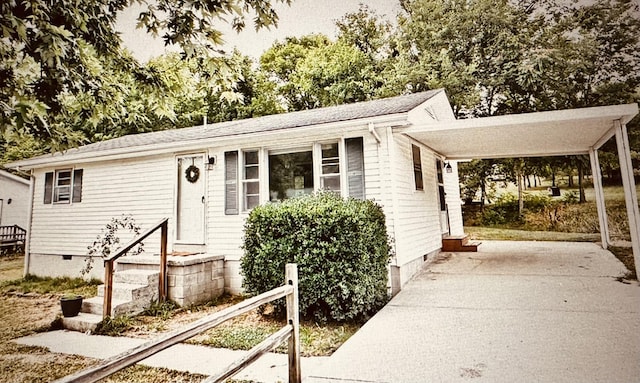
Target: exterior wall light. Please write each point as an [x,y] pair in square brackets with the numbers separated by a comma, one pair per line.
[211,162]
[448,168]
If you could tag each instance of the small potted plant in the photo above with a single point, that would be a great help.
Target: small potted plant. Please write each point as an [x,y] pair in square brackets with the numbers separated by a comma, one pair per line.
[71,304]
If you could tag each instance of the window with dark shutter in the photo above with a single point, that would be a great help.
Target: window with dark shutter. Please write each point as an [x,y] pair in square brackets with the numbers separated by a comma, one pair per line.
[231,183]
[417,167]
[48,187]
[355,167]
[77,185]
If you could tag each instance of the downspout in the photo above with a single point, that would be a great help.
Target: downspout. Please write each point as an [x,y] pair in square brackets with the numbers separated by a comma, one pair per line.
[27,242]
[396,277]
[372,130]
[630,194]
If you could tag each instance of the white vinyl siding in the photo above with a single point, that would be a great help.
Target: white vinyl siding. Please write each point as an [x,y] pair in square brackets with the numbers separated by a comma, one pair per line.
[417,229]
[14,201]
[142,188]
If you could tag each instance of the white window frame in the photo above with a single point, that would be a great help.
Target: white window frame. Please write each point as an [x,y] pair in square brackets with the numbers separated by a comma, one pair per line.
[56,188]
[318,165]
[244,181]
[263,168]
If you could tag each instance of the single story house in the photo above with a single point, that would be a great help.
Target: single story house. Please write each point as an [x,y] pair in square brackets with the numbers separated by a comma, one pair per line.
[14,200]
[401,152]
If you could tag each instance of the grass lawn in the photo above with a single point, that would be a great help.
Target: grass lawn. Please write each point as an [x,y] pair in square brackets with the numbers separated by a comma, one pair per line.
[476,232]
[30,305]
[11,268]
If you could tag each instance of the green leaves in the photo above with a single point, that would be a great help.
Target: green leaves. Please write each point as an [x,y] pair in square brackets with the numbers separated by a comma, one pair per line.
[340,246]
[65,80]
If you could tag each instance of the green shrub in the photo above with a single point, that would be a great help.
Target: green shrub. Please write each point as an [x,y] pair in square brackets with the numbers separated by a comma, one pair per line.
[341,248]
[502,211]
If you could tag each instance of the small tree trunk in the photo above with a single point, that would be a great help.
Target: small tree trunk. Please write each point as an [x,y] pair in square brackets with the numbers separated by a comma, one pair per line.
[520,199]
[583,198]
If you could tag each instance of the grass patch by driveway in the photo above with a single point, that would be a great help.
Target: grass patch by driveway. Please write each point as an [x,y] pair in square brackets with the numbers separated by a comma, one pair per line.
[240,333]
[478,233]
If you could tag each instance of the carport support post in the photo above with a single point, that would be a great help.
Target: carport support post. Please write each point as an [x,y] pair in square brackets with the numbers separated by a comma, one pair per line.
[597,187]
[630,195]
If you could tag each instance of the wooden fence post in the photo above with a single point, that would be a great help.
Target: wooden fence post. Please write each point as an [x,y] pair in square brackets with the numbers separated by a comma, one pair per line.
[163,287]
[293,317]
[108,288]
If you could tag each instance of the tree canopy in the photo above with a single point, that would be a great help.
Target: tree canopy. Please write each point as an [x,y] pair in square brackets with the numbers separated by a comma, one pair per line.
[63,59]
[65,78]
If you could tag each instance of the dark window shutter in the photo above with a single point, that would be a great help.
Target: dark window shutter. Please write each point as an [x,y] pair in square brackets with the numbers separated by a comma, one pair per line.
[77,185]
[355,167]
[231,183]
[48,187]
[417,167]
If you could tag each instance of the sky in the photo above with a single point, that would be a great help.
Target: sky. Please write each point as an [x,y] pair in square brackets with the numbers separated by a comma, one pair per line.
[301,18]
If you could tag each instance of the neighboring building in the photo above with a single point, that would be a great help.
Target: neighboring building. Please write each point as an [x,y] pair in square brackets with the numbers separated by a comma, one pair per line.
[400,152]
[14,200]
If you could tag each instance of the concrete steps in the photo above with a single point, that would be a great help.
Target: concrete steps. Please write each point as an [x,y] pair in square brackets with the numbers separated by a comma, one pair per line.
[133,292]
[456,244]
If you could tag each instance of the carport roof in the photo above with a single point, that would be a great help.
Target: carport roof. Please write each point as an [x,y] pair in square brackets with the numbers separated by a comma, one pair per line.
[553,133]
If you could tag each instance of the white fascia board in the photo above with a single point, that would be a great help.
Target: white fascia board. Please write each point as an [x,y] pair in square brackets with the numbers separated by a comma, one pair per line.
[624,113]
[60,159]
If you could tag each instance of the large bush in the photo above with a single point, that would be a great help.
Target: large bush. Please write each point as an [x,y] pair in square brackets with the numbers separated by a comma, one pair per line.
[341,248]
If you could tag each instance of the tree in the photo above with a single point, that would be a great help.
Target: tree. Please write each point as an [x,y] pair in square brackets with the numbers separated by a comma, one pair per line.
[469,48]
[335,74]
[42,47]
[280,63]
[367,31]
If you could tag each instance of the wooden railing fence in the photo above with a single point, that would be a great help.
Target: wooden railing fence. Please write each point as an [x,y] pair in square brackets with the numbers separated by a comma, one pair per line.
[290,331]
[12,233]
[110,261]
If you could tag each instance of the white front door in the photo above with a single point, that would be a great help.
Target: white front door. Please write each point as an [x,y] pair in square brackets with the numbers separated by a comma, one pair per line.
[191,200]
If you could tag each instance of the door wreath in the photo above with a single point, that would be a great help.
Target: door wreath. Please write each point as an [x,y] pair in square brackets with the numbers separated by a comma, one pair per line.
[192,173]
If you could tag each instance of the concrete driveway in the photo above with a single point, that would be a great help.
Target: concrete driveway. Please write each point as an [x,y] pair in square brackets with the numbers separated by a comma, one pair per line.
[513,312]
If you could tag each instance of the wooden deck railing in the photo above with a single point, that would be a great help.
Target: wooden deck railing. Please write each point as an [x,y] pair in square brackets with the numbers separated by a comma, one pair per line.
[12,233]
[109,264]
[290,331]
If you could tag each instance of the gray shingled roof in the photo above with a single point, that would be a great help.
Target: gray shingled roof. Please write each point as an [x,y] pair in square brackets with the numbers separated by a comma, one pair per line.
[366,109]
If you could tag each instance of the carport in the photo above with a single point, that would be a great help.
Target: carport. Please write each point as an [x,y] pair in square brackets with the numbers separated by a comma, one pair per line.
[544,134]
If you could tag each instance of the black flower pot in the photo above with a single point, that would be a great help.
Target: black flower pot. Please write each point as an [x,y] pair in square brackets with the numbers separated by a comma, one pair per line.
[71,305]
